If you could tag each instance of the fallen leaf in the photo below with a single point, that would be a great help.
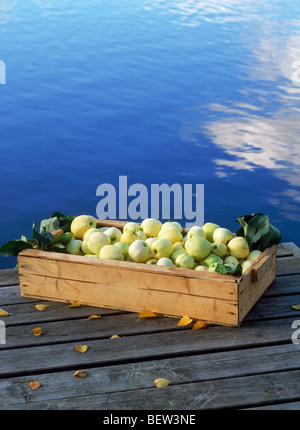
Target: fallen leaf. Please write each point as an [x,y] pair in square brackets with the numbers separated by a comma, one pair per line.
[74,305]
[81,348]
[41,307]
[114,336]
[37,331]
[34,385]
[80,374]
[297,307]
[94,317]
[147,314]
[199,325]
[185,320]
[3,313]
[162,382]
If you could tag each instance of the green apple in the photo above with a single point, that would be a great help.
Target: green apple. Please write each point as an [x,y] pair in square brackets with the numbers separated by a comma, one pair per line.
[96,241]
[114,234]
[103,229]
[209,228]
[198,247]
[151,261]
[151,227]
[131,226]
[185,261]
[196,231]
[124,248]
[176,253]
[238,247]
[222,235]
[111,252]
[210,259]
[164,261]
[162,248]
[128,236]
[81,224]
[85,248]
[74,247]
[201,268]
[254,255]
[246,265]
[231,261]
[139,251]
[172,233]
[220,249]
[89,232]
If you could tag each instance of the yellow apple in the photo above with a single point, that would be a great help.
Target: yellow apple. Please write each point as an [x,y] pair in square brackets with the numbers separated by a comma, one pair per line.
[177,246]
[164,261]
[246,265]
[139,251]
[238,247]
[254,255]
[131,226]
[85,248]
[128,237]
[185,261]
[114,234]
[202,268]
[81,224]
[150,240]
[196,231]
[222,235]
[151,261]
[96,241]
[141,235]
[198,247]
[111,252]
[209,228]
[171,224]
[74,247]
[172,233]
[89,232]
[162,248]
[220,249]
[151,227]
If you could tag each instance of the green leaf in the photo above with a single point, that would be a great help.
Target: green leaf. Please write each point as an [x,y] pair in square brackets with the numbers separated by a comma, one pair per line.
[221,268]
[64,220]
[48,225]
[42,238]
[257,227]
[63,238]
[273,237]
[237,271]
[13,247]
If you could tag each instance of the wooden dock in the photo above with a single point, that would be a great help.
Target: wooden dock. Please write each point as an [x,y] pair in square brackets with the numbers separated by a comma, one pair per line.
[254,366]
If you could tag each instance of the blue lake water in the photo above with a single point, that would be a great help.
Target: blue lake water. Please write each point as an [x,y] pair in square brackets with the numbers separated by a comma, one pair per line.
[160,91]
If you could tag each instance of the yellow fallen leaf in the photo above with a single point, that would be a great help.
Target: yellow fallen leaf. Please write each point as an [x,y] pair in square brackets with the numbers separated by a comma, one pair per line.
[199,325]
[297,307]
[81,348]
[41,307]
[94,317]
[3,313]
[147,314]
[114,336]
[185,320]
[80,374]
[37,331]
[34,385]
[74,305]
[162,382]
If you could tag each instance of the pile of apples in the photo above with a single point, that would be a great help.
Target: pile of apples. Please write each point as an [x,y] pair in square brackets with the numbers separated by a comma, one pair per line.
[165,244]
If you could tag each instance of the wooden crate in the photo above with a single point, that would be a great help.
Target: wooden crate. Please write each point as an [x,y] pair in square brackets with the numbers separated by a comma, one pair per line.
[168,291]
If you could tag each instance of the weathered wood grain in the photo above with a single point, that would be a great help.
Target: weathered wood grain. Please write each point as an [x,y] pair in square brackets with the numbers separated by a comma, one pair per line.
[141,375]
[9,277]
